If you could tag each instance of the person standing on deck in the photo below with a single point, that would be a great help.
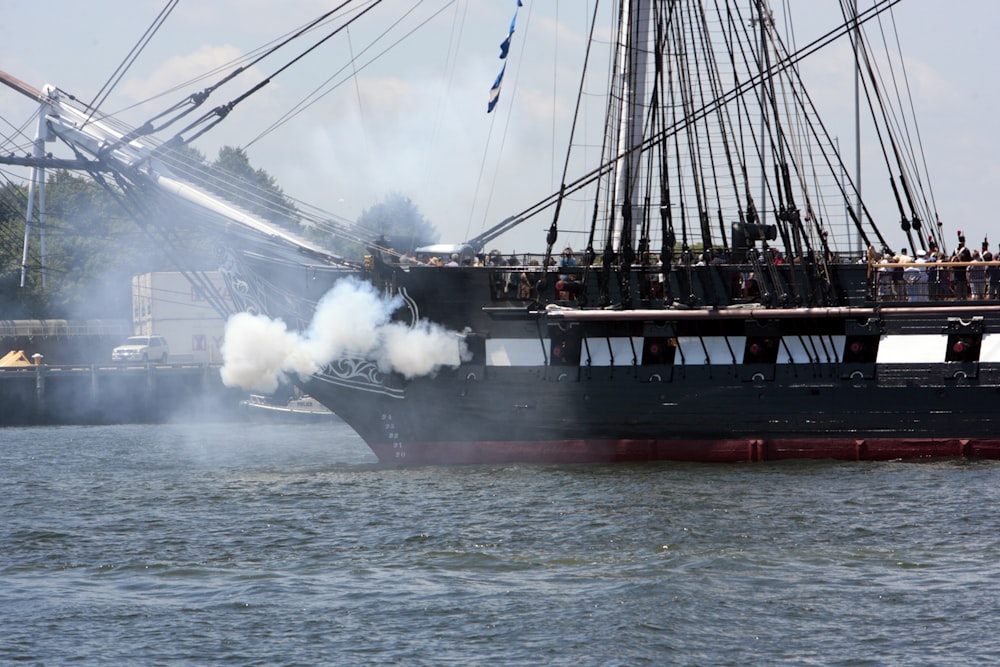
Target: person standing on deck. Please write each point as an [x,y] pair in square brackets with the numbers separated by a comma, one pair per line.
[898,281]
[884,277]
[991,271]
[959,274]
[916,278]
[977,277]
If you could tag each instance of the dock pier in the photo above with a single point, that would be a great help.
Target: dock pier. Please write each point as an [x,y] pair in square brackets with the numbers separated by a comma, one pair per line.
[115,393]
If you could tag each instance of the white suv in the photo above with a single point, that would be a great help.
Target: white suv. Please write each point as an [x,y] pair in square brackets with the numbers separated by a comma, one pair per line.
[142,349]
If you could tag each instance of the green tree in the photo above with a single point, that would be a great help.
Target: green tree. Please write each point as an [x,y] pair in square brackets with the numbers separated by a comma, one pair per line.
[94,249]
[253,189]
[94,246]
[16,302]
[397,220]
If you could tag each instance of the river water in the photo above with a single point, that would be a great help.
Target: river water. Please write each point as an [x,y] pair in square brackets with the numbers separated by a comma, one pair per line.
[236,544]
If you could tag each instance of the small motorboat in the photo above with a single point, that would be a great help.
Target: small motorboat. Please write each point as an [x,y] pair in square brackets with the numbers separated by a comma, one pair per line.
[300,409]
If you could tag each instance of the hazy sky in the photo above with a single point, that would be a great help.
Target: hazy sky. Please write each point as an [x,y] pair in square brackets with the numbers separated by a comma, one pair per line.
[415,121]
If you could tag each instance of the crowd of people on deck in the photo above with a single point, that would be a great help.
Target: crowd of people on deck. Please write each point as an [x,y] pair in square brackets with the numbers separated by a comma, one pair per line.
[930,275]
[926,275]
[513,282]
[516,282]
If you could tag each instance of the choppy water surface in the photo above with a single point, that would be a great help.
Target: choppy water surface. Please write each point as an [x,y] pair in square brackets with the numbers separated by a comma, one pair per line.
[239,544]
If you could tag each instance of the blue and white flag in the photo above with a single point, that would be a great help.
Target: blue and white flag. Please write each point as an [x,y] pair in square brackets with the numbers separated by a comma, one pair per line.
[504,50]
[495,90]
[505,44]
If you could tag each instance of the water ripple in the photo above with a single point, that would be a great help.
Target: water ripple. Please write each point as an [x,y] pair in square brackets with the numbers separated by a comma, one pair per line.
[226,545]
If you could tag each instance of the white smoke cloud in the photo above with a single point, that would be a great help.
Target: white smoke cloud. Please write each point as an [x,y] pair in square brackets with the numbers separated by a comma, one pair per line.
[418,350]
[257,353]
[352,320]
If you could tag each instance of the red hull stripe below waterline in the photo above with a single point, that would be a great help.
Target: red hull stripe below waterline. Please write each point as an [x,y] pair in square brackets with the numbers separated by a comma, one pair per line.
[734,450]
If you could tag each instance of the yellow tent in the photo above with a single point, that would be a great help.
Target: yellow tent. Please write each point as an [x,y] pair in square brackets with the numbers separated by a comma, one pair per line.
[15,358]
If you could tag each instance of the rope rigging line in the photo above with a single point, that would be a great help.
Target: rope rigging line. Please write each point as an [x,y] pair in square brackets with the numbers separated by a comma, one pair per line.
[822,137]
[664,82]
[241,192]
[506,126]
[932,207]
[145,211]
[216,115]
[126,64]
[324,89]
[737,91]
[232,69]
[554,226]
[195,99]
[896,122]
[883,127]
[903,125]
[724,124]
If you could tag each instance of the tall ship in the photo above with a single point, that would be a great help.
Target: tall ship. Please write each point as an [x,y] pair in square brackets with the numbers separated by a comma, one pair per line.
[712,287]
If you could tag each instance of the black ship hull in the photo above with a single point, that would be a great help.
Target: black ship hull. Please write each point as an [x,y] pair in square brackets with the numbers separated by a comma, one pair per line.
[562,384]
[478,415]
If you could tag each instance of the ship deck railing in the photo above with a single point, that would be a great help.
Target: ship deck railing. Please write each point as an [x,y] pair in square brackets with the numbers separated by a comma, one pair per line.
[935,281]
[857,282]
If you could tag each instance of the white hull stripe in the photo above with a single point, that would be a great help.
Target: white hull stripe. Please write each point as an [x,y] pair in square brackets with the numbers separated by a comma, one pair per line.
[728,350]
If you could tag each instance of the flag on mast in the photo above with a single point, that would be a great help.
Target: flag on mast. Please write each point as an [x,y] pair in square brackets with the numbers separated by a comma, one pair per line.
[495,90]
[505,44]
[504,50]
